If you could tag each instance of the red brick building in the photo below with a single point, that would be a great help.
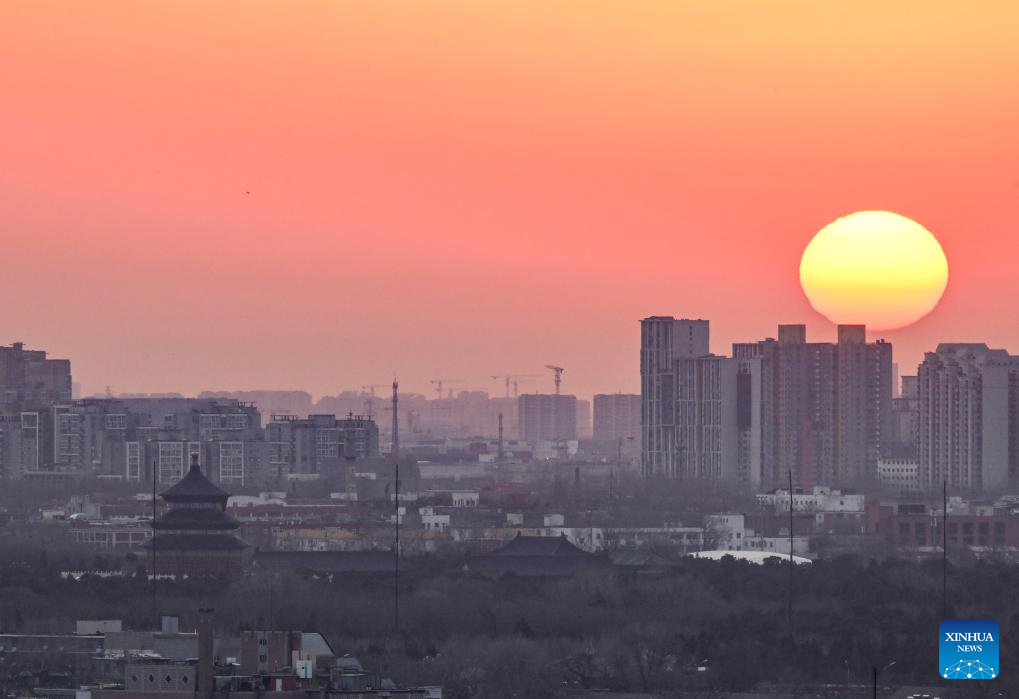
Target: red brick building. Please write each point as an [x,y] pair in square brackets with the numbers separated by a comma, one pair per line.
[917,526]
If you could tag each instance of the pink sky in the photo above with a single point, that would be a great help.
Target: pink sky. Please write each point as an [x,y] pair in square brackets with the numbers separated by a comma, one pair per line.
[460,189]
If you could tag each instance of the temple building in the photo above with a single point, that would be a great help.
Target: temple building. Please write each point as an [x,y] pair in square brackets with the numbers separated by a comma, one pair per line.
[196,536]
[538,556]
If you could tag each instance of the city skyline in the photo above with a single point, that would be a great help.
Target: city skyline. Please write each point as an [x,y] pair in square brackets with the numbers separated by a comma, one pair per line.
[294,198]
[494,386]
[507,348]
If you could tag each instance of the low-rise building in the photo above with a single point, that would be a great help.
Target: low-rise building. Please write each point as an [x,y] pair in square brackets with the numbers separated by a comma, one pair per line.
[819,499]
[899,475]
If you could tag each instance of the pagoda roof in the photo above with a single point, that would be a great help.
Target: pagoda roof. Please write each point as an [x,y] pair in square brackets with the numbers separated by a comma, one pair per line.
[328,561]
[539,546]
[196,518]
[195,487]
[538,556]
[195,542]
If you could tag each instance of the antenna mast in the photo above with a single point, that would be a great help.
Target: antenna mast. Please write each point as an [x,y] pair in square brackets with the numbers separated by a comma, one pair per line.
[396,421]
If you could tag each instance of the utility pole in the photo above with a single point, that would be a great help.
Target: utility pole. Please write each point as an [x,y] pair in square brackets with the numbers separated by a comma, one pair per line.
[500,438]
[396,551]
[944,550]
[790,553]
[886,667]
[396,421]
[155,605]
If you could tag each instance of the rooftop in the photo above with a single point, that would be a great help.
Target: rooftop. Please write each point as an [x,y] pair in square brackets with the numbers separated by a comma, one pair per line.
[199,518]
[195,487]
[538,546]
[195,542]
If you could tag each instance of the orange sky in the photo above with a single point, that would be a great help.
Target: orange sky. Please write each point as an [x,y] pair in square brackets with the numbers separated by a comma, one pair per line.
[458,189]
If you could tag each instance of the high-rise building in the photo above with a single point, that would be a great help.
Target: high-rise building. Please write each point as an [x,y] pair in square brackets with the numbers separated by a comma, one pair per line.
[749,413]
[968,417]
[905,437]
[23,446]
[127,438]
[319,444]
[688,402]
[825,408]
[663,340]
[28,377]
[546,417]
[616,416]
[584,428]
[863,409]
[617,426]
[706,418]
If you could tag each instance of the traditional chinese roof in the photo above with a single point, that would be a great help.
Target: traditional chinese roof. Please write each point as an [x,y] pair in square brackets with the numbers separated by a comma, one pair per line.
[195,487]
[195,542]
[538,546]
[538,556]
[200,518]
[328,561]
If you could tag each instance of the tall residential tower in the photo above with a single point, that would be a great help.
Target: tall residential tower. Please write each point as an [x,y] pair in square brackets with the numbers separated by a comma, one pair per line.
[688,403]
[968,417]
[825,408]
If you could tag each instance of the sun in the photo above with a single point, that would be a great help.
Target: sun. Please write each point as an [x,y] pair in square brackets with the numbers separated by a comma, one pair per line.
[874,268]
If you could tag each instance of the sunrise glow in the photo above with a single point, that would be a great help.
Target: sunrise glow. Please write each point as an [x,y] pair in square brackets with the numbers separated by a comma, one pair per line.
[874,267]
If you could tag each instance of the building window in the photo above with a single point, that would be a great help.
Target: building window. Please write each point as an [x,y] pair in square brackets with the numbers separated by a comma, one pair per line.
[68,435]
[115,421]
[171,461]
[133,470]
[209,421]
[231,462]
[327,443]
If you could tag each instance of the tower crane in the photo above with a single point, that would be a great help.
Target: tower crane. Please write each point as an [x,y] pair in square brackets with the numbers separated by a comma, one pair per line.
[514,379]
[558,375]
[437,383]
[370,402]
[516,386]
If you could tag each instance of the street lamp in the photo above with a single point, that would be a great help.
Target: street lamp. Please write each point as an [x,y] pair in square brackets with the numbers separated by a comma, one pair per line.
[886,667]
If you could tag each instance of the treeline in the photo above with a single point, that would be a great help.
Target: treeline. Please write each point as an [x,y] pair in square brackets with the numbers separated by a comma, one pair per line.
[712,626]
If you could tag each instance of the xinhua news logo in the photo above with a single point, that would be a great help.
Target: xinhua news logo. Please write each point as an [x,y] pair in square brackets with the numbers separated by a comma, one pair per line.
[969,649]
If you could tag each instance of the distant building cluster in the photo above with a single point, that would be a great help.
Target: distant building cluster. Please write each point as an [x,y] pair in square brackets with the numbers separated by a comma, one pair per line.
[775,410]
[46,435]
[177,660]
[826,413]
[816,410]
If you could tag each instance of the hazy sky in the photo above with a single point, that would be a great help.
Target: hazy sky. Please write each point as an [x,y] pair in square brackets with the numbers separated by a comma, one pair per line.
[459,189]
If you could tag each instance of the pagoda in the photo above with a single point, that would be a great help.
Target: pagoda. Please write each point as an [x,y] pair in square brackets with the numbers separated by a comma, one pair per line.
[195,536]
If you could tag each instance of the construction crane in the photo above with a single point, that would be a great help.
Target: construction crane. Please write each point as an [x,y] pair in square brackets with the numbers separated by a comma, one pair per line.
[370,403]
[514,379]
[558,375]
[516,386]
[437,383]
